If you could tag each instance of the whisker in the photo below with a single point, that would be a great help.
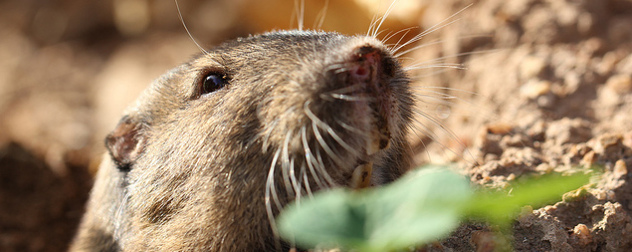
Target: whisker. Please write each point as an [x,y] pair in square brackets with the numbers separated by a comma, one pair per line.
[429,134]
[295,181]
[285,165]
[271,194]
[350,97]
[349,89]
[443,65]
[436,96]
[439,59]
[336,68]
[430,100]
[431,90]
[443,88]
[417,47]
[350,128]
[432,29]
[427,131]
[434,136]
[319,123]
[324,146]
[187,29]
[321,167]
[379,33]
[299,181]
[306,180]
[386,14]
[309,158]
[444,97]
[419,77]
[321,16]
[321,142]
[373,22]
[341,70]
[423,34]
[299,9]
[421,139]
[389,35]
[434,42]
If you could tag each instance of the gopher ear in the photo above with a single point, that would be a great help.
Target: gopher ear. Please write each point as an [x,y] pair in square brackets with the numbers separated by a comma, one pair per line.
[126,143]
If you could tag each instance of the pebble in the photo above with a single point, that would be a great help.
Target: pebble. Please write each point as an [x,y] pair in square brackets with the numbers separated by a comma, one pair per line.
[620,169]
[620,83]
[531,67]
[582,232]
[535,88]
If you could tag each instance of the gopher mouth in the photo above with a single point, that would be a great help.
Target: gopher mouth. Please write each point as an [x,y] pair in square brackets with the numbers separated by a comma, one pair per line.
[367,71]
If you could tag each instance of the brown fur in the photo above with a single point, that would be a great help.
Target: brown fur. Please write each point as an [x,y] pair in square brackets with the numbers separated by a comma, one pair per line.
[188,172]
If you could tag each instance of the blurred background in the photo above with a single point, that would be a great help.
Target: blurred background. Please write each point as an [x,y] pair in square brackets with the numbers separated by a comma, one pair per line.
[68,68]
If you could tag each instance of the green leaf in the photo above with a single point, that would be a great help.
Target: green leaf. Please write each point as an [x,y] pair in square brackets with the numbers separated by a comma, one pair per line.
[501,207]
[331,219]
[423,206]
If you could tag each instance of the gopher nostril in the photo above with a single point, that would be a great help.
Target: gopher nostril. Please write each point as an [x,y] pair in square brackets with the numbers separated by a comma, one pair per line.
[361,72]
[365,63]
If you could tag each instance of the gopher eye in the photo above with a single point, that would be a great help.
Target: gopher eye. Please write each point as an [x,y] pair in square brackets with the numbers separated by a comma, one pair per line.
[213,82]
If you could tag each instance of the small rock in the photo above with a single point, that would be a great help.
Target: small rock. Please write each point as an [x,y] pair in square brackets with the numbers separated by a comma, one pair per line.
[572,80]
[620,169]
[568,130]
[531,67]
[549,209]
[607,194]
[609,146]
[499,128]
[512,177]
[582,232]
[620,83]
[599,194]
[610,140]
[544,168]
[536,131]
[625,65]
[608,62]
[585,23]
[593,45]
[535,88]
[589,159]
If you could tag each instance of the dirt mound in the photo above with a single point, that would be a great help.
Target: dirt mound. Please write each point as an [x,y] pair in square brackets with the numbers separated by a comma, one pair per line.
[557,79]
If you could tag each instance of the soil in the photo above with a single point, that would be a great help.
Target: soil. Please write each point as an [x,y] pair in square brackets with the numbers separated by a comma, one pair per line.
[540,86]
